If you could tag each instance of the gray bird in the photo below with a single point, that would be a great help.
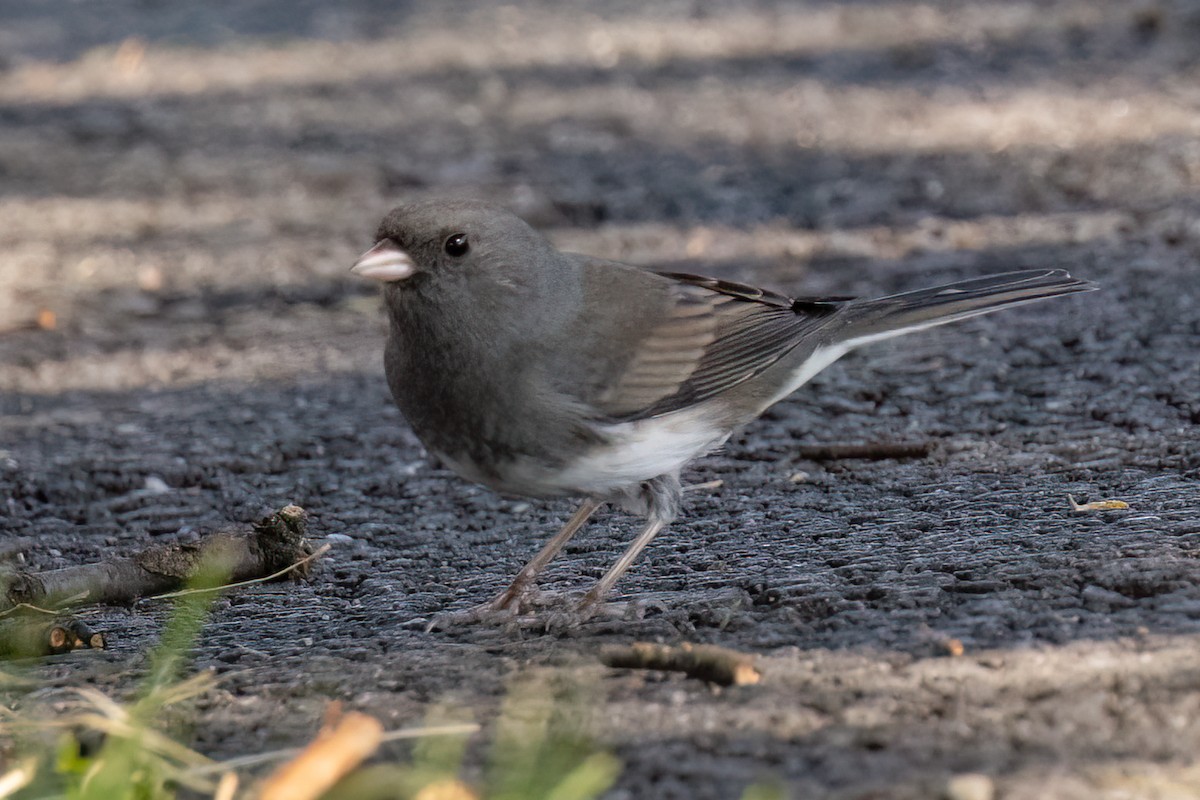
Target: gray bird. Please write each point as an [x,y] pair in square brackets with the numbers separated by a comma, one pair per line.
[541,373]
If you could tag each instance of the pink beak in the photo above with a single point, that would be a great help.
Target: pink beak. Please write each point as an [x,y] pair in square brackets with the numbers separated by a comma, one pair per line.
[384,262]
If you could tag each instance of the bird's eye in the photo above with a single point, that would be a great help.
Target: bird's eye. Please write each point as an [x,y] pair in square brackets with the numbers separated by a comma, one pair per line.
[457,245]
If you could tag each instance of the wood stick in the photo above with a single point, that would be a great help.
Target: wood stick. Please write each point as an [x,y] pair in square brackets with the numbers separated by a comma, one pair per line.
[226,787]
[25,638]
[335,753]
[874,451]
[18,777]
[399,734]
[275,543]
[85,635]
[707,662]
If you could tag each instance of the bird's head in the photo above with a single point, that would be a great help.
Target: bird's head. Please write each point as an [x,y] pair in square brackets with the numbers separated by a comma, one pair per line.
[456,246]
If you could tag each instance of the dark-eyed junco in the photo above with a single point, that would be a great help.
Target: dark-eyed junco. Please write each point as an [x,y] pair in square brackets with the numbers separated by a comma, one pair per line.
[541,373]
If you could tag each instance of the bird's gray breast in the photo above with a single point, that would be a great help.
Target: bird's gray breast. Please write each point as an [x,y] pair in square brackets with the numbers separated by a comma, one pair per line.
[482,401]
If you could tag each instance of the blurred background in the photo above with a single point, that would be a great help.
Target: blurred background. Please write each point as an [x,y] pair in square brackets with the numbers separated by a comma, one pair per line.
[183,185]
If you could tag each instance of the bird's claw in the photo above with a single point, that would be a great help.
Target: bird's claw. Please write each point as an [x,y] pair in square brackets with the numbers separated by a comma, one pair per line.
[551,611]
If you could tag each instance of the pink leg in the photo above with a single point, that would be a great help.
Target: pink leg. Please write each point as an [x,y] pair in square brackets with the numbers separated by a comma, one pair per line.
[530,571]
[598,592]
[508,602]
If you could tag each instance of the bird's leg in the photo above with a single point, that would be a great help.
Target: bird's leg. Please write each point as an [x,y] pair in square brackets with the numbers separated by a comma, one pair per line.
[660,499]
[503,603]
[530,571]
[605,584]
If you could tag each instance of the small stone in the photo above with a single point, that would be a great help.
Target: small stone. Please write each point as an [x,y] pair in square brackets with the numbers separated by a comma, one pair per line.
[156,485]
[799,477]
[970,786]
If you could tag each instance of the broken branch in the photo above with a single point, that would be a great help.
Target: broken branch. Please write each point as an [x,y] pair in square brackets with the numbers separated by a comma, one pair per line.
[336,752]
[293,567]
[274,548]
[25,637]
[707,662]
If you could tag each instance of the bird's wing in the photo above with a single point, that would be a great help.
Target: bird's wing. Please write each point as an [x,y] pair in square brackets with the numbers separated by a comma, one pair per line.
[704,337]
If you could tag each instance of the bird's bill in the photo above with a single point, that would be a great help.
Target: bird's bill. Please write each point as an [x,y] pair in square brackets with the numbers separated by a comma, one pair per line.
[384,262]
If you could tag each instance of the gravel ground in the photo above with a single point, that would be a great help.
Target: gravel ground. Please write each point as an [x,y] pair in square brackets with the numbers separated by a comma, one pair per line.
[182,189]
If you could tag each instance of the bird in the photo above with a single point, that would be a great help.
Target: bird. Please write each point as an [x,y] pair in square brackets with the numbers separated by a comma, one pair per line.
[542,373]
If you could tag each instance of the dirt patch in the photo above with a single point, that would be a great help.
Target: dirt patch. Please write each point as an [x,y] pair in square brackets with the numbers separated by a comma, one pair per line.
[186,206]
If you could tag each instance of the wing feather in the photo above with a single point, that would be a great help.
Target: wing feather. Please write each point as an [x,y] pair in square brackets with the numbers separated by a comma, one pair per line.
[712,336]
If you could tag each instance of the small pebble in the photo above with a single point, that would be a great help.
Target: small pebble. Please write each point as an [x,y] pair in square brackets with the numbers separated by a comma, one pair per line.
[798,477]
[156,485]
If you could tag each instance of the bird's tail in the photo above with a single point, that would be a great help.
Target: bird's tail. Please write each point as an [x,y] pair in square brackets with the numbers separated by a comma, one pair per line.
[866,321]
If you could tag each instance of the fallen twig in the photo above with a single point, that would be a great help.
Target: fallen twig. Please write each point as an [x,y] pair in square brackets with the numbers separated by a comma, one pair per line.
[241,762]
[20,638]
[25,637]
[293,567]
[85,635]
[226,787]
[707,662]
[875,451]
[336,752]
[1097,505]
[22,607]
[18,777]
[274,548]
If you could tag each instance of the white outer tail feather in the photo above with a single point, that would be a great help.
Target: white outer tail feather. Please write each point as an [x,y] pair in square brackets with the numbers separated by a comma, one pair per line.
[822,357]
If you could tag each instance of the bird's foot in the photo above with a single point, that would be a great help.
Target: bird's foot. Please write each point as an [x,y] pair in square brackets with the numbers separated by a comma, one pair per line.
[576,609]
[506,607]
[484,612]
[550,611]
[521,606]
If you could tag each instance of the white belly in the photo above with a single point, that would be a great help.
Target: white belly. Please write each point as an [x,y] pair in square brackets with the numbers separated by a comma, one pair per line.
[637,451]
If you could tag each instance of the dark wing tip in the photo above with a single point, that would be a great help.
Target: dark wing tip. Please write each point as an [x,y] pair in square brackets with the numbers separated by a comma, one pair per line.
[818,306]
[743,291]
